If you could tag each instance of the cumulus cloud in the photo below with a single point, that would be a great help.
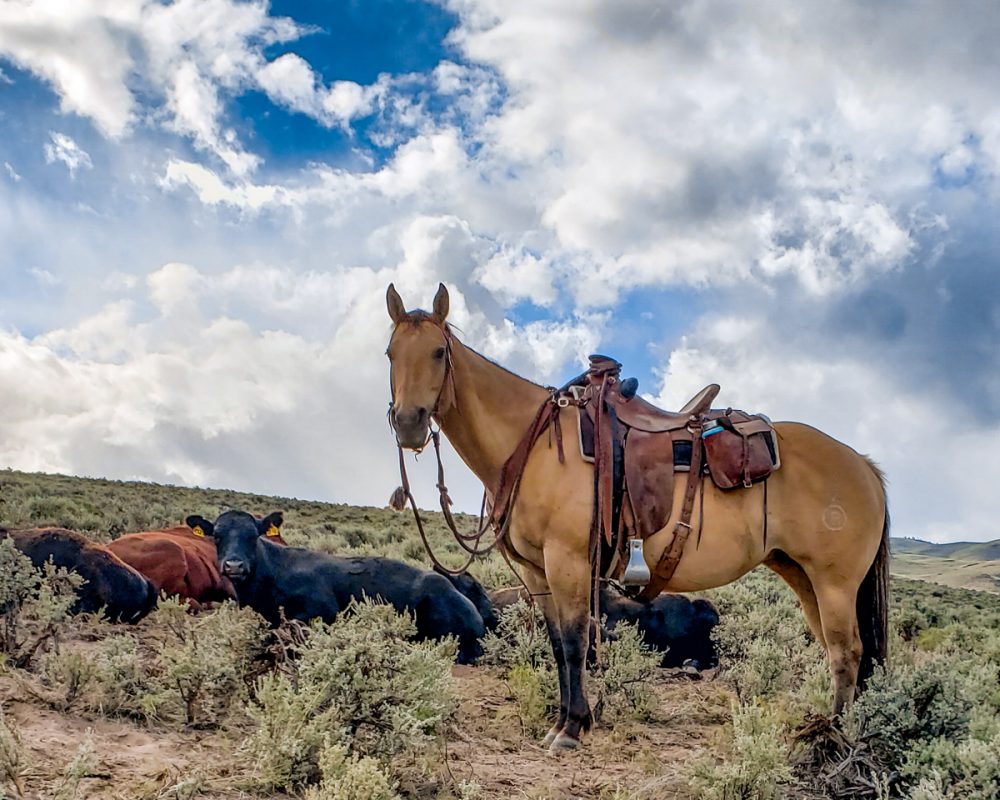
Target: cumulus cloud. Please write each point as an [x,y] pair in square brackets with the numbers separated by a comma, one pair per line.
[807,194]
[854,400]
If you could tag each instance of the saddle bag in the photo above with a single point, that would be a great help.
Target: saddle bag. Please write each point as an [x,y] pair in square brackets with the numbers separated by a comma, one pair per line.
[740,448]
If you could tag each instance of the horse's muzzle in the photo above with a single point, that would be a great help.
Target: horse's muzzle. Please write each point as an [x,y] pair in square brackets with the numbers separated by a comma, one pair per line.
[412,427]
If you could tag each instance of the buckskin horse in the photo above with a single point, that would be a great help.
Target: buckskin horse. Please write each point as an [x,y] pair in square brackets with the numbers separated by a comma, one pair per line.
[820,521]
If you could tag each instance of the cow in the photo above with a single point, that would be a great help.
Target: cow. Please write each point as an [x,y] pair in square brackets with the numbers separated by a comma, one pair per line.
[123,593]
[178,561]
[306,584]
[674,625]
[476,594]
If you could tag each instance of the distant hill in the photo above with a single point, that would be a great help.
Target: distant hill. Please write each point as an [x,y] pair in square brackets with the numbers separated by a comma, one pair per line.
[960,551]
[968,565]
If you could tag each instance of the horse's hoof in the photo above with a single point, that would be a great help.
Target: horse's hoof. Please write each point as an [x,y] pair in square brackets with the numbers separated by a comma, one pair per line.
[563,741]
[550,737]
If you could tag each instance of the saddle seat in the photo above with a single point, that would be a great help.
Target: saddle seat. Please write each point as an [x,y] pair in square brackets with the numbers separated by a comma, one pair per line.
[644,416]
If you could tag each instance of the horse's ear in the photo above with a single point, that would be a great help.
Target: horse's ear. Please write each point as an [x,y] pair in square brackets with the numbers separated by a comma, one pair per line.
[395,304]
[441,304]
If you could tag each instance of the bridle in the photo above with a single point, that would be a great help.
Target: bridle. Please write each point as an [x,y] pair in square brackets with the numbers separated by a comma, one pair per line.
[471,543]
[500,502]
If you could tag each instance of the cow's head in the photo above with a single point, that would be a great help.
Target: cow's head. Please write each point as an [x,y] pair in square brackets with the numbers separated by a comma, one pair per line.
[236,534]
[419,353]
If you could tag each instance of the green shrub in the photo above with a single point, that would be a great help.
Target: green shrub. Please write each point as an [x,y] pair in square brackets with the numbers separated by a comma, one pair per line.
[34,605]
[757,768]
[82,766]
[202,668]
[351,777]
[909,707]
[763,643]
[360,684]
[520,639]
[12,757]
[627,667]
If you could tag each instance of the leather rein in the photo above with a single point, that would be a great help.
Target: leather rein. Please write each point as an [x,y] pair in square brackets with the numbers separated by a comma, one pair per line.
[501,500]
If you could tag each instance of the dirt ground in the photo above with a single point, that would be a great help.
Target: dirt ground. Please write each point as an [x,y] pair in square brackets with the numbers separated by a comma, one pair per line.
[136,762]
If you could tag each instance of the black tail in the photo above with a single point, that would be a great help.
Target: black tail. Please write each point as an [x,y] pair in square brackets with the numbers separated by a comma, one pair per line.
[873,602]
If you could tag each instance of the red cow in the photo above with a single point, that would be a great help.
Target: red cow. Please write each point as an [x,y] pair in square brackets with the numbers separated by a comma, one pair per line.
[180,561]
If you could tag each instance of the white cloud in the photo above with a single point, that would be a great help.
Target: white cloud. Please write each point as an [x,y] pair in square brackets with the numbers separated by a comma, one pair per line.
[856,401]
[62,148]
[11,172]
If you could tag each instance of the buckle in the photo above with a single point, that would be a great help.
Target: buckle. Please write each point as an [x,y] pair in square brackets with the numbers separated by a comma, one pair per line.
[562,402]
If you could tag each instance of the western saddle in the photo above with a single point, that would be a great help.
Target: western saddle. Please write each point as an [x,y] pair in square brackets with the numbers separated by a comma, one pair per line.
[637,447]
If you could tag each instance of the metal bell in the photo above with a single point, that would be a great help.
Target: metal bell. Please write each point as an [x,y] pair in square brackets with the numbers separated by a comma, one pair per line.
[636,572]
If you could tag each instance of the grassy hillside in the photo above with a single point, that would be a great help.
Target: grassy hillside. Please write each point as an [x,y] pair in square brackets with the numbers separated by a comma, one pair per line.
[972,565]
[959,551]
[213,707]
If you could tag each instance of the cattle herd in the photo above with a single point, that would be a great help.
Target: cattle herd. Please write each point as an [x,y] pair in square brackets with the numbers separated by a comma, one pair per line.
[244,558]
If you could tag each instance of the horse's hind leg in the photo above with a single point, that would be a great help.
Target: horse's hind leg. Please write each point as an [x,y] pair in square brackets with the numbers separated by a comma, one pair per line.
[837,606]
[792,574]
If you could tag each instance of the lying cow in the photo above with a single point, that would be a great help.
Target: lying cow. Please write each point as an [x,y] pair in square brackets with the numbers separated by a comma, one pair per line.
[477,595]
[110,583]
[308,584]
[678,627]
[179,561]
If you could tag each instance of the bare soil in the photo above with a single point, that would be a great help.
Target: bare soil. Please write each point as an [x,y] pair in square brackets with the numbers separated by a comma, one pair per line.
[139,762]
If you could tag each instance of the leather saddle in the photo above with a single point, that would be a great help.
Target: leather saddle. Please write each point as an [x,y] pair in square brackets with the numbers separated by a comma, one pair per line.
[637,447]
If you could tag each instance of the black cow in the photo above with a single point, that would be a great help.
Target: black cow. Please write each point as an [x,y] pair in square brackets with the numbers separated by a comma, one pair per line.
[308,584]
[675,625]
[477,595]
[111,584]
[678,627]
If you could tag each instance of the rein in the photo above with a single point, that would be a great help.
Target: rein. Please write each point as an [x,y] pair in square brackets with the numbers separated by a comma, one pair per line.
[502,500]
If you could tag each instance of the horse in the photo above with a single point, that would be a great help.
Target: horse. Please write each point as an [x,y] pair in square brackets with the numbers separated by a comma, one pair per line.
[826,515]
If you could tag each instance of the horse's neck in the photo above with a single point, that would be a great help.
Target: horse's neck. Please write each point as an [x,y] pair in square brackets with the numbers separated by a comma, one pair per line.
[492,411]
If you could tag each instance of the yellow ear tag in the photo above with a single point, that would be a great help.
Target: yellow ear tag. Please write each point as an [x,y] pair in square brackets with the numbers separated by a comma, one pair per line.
[197,530]
[273,531]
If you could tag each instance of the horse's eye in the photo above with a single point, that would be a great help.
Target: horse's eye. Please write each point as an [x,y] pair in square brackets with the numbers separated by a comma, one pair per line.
[439,354]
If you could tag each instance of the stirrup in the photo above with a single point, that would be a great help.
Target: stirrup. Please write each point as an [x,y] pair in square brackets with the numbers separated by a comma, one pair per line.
[636,572]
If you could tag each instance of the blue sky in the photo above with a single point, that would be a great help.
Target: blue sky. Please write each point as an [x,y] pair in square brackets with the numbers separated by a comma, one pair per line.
[201,204]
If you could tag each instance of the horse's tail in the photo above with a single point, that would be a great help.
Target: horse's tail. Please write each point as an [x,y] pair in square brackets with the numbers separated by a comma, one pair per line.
[873,599]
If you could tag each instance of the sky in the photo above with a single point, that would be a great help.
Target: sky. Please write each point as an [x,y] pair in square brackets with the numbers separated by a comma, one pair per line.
[203,201]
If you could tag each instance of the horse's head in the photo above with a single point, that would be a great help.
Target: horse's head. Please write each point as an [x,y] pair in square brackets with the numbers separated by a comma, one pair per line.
[419,367]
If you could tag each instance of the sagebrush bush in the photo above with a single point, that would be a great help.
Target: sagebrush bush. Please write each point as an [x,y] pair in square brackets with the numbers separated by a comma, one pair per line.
[757,768]
[623,682]
[202,668]
[195,671]
[12,757]
[520,639]
[763,643]
[34,605]
[359,683]
[348,776]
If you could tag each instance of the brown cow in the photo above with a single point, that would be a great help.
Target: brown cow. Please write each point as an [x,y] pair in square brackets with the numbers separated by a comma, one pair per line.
[121,591]
[180,561]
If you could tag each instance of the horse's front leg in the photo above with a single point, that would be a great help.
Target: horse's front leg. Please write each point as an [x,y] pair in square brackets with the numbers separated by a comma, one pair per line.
[534,579]
[569,577]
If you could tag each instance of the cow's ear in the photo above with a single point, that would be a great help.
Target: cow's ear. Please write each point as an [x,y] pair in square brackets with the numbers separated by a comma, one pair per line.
[270,524]
[397,311]
[441,304]
[200,525]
